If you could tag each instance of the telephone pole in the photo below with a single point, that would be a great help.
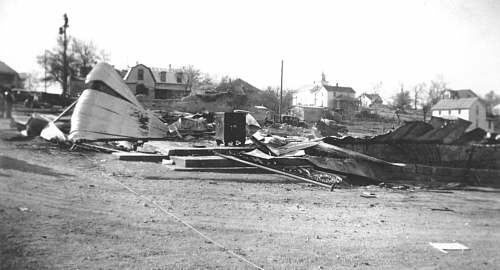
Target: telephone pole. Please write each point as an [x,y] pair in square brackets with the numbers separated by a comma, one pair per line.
[62,31]
[281,92]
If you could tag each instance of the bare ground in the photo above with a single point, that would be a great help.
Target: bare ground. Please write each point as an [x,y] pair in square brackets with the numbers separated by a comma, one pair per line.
[79,217]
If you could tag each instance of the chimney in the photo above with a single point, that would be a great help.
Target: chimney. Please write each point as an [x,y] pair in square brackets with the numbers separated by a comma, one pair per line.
[169,67]
[337,85]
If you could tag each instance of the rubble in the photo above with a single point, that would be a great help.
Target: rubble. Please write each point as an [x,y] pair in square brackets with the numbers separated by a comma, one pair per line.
[107,117]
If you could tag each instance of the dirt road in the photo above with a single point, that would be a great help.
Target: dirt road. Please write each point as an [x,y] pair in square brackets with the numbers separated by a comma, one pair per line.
[65,210]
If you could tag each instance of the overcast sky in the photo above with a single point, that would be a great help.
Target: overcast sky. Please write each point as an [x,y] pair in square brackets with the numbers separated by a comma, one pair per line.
[355,43]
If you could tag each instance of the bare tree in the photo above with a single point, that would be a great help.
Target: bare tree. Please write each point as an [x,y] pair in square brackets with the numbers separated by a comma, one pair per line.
[86,53]
[104,56]
[193,76]
[81,57]
[491,99]
[402,100]
[437,86]
[53,63]
[418,90]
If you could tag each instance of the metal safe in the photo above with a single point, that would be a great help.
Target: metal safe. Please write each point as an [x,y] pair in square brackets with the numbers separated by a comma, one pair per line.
[230,127]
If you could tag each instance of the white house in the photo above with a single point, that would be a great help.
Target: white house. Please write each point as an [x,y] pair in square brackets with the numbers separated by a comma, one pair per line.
[367,100]
[333,97]
[470,109]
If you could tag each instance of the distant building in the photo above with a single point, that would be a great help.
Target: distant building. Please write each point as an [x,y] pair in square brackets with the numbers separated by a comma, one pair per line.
[157,83]
[457,94]
[470,109]
[8,76]
[333,97]
[368,100]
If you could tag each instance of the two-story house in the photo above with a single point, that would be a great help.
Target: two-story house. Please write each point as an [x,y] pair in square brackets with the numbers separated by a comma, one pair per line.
[333,97]
[367,100]
[470,109]
[157,83]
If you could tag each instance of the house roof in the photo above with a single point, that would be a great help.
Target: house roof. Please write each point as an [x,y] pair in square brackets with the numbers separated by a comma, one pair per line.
[5,69]
[340,89]
[448,104]
[463,93]
[171,76]
[372,97]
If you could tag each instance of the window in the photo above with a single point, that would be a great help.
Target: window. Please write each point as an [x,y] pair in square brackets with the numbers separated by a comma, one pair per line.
[179,77]
[141,89]
[140,74]
[477,110]
[163,76]
[161,94]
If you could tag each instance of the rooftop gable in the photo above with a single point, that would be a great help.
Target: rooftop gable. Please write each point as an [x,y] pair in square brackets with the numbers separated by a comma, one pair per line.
[5,69]
[338,89]
[170,74]
[462,93]
[372,97]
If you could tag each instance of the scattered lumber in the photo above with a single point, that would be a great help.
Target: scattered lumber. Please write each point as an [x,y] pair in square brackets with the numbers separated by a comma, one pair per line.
[137,156]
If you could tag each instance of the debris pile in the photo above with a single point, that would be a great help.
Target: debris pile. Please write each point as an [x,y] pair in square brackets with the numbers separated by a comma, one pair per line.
[108,117]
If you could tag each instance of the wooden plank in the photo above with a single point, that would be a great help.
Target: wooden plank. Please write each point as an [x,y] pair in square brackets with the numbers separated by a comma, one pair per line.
[207,151]
[247,170]
[203,161]
[136,156]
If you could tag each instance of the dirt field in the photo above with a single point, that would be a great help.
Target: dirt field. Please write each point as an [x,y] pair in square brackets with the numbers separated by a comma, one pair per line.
[79,217]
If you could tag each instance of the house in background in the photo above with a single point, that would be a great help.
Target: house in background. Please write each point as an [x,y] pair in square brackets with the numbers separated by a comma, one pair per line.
[333,97]
[9,77]
[157,83]
[457,94]
[368,100]
[470,109]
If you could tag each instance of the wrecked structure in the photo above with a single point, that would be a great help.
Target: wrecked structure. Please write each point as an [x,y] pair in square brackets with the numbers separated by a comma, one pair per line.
[107,109]
[436,151]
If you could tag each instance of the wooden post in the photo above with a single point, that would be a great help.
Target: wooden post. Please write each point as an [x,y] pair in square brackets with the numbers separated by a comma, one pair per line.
[281,92]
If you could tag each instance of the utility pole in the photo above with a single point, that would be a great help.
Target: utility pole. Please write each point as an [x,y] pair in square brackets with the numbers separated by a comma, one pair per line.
[281,92]
[62,31]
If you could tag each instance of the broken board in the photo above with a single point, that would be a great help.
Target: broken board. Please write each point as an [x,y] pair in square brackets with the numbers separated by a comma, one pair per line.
[134,156]
[203,162]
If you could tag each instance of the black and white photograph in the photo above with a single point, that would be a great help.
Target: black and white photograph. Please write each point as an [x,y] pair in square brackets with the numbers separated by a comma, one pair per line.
[250,134]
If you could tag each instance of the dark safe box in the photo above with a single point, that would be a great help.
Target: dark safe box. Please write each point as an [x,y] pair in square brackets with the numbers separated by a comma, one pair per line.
[230,127]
